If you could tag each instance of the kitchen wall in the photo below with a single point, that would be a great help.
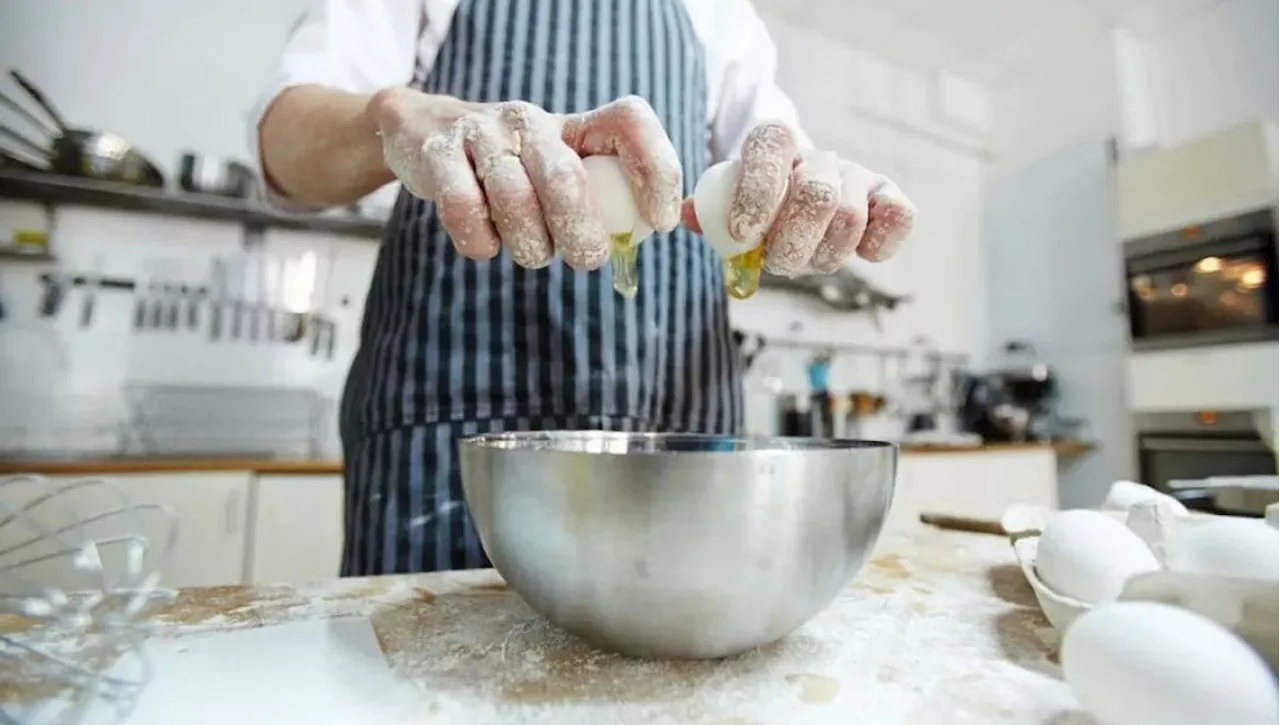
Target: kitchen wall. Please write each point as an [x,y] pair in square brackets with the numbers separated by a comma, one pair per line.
[893,120]
[173,77]
[1053,253]
[1199,72]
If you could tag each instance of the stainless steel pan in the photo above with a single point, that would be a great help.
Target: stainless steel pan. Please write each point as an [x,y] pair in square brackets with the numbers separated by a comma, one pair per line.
[85,152]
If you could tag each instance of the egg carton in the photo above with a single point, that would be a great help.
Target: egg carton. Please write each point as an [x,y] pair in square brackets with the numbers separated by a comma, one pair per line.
[1245,605]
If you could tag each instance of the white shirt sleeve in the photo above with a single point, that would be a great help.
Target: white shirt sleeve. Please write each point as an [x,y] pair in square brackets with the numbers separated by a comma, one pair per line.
[748,92]
[352,45]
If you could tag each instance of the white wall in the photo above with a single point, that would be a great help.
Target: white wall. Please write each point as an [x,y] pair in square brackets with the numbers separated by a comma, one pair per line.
[1197,73]
[1212,69]
[174,76]
[880,115]
[167,76]
[1204,71]
[1064,94]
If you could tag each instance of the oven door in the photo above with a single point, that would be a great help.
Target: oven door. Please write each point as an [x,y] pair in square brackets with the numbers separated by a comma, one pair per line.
[1187,447]
[1202,286]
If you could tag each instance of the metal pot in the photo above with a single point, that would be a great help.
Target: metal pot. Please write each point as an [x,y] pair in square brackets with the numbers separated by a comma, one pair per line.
[104,156]
[82,152]
[202,174]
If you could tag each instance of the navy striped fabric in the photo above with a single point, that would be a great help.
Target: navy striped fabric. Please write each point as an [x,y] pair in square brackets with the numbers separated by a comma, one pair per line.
[451,347]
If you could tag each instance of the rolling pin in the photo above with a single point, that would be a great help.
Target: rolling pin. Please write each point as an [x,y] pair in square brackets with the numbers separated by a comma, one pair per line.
[963,523]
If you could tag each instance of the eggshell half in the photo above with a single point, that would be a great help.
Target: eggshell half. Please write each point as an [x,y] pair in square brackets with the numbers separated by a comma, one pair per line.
[1124,494]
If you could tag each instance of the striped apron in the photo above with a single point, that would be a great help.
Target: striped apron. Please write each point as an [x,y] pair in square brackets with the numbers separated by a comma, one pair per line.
[452,347]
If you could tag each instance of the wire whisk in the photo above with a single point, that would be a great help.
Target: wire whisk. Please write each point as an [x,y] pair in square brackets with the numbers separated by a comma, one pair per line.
[79,565]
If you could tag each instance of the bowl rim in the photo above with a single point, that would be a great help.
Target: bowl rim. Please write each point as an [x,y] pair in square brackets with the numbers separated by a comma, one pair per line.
[520,441]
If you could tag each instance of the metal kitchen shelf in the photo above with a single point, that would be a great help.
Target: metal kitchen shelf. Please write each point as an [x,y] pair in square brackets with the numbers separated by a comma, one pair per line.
[900,353]
[47,188]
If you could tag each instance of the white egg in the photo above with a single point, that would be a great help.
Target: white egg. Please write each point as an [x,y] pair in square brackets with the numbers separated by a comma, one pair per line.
[1124,494]
[1088,556]
[613,199]
[1227,546]
[711,199]
[1133,663]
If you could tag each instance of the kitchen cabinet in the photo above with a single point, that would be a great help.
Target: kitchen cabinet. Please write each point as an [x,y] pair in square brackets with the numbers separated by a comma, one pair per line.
[974,484]
[296,533]
[210,511]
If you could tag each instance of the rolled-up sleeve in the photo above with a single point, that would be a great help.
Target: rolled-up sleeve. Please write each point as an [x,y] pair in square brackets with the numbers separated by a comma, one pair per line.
[352,45]
[749,93]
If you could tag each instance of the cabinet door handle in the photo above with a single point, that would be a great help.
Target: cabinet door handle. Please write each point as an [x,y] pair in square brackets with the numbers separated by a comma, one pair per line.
[232,518]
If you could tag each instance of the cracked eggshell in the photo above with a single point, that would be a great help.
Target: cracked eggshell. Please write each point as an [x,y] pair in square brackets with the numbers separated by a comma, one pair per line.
[711,199]
[1124,494]
[1132,663]
[1088,556]
[613,199]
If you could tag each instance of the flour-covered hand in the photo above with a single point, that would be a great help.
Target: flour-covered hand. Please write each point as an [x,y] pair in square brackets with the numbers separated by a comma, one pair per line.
[510,174]
[813,210]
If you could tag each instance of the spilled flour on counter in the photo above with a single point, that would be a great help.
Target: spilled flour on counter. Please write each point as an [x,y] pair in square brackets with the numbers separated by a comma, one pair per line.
[939,627]
[902,645]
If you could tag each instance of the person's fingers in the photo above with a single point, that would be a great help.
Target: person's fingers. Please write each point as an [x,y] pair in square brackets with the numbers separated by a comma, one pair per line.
[768,156]
[812,198]
[513,203]
[629,129]
[689,217]
[890,218]
[850,220]
[449,180]
[560,182]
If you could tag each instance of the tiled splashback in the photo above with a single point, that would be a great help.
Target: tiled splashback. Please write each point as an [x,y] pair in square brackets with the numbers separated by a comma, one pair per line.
[67,379]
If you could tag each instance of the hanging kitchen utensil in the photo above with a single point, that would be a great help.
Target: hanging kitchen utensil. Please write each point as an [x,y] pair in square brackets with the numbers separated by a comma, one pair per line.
[55,289]
[271,283]
[91,283]
[749,347]
[235,286]
[317,333]
[217,297]
[820,396]
[174,317]
[139,310]
[89,153]
[155,316]
[331,340]
[253,281]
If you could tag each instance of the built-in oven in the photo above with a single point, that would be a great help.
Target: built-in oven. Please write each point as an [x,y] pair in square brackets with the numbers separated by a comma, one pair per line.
[1179,447]
[1203,285]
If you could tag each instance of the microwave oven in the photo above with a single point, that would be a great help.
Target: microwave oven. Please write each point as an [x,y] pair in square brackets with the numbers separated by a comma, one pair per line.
[1206,284]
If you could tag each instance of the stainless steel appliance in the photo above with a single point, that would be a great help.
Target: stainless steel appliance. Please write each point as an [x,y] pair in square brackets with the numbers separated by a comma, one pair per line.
[1204,285]
[1179,446]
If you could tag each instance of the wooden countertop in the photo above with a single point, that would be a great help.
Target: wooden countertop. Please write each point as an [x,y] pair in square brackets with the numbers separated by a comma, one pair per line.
[319,466]
[938,624]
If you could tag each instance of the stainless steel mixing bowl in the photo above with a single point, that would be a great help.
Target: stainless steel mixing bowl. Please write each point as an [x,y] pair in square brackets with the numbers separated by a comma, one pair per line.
[676,546]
